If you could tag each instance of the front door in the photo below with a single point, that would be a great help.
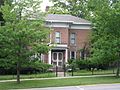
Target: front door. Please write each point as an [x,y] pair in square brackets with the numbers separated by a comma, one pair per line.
[57,58]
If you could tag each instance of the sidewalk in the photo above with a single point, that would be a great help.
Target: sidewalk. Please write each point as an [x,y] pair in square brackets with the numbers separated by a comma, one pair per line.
[81,87]
[57,78]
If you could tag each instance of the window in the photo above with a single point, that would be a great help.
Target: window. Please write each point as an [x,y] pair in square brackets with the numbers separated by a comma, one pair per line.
[72,55]
[54,56]
[57,37]
[72,38]
[60,56]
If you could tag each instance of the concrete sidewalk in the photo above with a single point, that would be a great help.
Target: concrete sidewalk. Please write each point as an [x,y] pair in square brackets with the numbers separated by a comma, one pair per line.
[57,78]
[81,87]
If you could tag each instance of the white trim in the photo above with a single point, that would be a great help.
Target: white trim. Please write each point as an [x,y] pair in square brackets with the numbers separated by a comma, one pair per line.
[42,57]
[59,45]
[80,27]
[82,23]
[53,56]
[57,59]
[49,57]
[74,55]
[59,21]
[57,24]
[72,38]
[70,54]
[66,55]
[70,26]
[59,36]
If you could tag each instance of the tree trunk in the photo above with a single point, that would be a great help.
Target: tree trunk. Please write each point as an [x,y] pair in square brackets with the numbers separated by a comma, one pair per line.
[118,68]
[92,71]
[18,72]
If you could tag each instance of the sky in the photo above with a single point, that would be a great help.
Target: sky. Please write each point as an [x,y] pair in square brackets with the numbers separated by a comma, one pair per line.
[44,4]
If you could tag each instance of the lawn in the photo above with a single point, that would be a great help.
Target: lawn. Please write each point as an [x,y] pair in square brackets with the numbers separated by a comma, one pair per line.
[59,82]
[42,75]
[96,72]
[52,74]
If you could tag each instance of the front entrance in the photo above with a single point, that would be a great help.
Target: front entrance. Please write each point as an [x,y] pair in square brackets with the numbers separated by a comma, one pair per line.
[57,59]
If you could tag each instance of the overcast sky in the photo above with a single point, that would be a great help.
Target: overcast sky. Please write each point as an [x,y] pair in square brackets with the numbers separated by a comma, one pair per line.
[45,3]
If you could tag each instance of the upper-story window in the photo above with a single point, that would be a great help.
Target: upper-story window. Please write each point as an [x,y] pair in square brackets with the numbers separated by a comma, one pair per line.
[57,37]
[72,38]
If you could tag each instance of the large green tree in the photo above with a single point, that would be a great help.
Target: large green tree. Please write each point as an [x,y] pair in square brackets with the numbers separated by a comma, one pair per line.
[79,8]
[23,34]
[106,31]
[73,7]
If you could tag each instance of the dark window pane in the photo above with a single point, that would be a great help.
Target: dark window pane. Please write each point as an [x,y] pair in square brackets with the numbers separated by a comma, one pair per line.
[60,56]
[72,55]
[54,56]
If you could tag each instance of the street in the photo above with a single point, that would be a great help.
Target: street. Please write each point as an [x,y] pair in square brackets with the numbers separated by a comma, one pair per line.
[87,87]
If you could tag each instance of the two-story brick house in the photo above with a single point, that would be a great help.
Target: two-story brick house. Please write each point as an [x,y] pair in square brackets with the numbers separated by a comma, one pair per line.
[69,35]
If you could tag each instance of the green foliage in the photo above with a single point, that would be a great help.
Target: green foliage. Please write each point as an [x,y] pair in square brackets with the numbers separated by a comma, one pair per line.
[23,34]
[106,31]
[72,7]
[40,65]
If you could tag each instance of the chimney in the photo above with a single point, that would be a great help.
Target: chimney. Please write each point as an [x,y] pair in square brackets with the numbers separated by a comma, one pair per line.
[47,8]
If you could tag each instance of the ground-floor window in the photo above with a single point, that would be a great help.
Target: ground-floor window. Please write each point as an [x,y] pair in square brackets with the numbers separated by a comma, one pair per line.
[72,54]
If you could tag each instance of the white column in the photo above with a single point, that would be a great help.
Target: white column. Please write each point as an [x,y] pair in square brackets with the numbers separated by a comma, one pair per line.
[75,54]
[42,57]
[66,55]
[49,57]
[57,58]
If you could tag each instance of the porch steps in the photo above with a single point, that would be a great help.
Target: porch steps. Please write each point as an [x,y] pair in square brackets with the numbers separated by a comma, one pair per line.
[61,74]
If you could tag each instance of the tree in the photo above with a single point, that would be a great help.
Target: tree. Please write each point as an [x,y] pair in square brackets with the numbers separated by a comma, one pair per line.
[1,3]
[23,34]
[106,31]
[73,7]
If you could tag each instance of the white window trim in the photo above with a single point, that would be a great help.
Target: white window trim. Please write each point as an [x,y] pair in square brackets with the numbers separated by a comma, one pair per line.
[74,53]
[60,36]
[71,38]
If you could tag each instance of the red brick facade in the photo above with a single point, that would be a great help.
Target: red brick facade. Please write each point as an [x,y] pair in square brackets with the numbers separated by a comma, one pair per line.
[82,37]
[64,34]
[68,26]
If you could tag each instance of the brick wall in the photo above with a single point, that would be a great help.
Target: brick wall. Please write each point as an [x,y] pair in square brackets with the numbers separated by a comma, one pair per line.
[64,34]
[82,37]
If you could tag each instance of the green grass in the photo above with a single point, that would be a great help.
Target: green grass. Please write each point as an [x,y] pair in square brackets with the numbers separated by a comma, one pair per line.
[42,75]
[86,72]
[58,82]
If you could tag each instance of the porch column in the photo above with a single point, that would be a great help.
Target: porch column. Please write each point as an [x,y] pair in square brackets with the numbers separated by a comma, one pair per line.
[66,55]
[49,57]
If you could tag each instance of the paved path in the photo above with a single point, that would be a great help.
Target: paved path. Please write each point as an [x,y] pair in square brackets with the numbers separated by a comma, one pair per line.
[88,87]
[61,74]
[57,78]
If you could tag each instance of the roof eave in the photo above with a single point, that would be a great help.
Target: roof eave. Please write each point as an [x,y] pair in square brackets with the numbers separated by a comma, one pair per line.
[59,21]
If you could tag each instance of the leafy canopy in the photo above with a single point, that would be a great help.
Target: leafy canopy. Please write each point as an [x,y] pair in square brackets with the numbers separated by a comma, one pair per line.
[24,33]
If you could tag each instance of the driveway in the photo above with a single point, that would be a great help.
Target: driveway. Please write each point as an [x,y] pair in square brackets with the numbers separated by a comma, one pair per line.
[87,87]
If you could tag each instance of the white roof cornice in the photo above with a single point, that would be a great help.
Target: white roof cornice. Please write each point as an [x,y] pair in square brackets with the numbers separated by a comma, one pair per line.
[72,22]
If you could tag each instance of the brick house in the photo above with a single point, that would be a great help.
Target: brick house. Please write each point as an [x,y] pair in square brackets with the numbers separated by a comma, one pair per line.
[69,35]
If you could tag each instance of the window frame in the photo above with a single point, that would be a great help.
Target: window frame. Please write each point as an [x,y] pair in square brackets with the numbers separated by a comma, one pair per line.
[73,38]
[57,37]
[71,55]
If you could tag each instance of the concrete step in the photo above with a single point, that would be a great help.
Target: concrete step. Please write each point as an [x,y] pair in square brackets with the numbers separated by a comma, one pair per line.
[59,69]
